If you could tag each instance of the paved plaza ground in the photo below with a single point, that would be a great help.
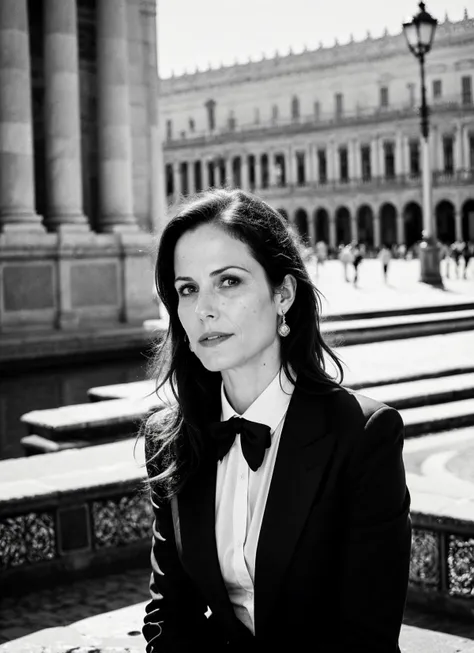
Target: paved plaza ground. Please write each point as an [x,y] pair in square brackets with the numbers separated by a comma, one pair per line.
[105,615]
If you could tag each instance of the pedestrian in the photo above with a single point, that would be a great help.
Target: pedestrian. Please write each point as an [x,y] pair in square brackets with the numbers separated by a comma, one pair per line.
[357,260]
[347,258]
[321,254]
[385,256]
[467,253]
[456,249]
[278,495]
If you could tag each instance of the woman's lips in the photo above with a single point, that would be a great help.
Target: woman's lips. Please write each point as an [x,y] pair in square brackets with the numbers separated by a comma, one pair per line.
[213,341]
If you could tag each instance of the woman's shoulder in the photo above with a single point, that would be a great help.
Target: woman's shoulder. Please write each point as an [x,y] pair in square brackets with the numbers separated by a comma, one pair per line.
[357,408]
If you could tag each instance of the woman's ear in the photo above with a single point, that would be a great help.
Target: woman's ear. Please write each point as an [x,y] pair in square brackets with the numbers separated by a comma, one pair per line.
[285,294]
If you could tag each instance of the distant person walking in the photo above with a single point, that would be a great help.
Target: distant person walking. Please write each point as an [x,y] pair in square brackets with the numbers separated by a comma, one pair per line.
[456,253]
[467,254]
[346,257]
[385,256]
[321,254]
[358,256]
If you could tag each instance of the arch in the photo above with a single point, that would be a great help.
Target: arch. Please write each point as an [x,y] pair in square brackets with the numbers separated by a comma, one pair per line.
[388,224]
[413,223]
[468,220]
[321,224]
[283,213]
[301,223]
[445,223]
[343,226]
[365,225]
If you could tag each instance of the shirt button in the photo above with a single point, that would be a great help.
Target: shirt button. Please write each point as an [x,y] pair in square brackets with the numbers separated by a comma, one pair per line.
[242,477]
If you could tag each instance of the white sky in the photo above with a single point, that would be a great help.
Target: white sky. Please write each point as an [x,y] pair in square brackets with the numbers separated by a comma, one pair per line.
[194,33]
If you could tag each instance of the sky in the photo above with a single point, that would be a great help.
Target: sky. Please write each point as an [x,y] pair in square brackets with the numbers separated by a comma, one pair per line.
[199,33]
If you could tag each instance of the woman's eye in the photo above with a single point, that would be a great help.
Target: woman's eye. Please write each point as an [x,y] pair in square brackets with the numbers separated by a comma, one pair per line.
[228,282]
[184,291]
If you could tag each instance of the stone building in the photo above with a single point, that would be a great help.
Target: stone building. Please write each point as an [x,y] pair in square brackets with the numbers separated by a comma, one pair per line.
[331,137]
[80,156]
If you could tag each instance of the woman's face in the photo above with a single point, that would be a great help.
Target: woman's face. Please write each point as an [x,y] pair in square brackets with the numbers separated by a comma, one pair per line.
[225,303]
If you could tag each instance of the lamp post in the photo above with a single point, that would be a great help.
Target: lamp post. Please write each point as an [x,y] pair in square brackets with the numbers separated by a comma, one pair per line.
[419,34]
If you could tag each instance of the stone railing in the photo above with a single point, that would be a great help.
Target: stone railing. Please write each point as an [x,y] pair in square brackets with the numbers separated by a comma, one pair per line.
[62,514]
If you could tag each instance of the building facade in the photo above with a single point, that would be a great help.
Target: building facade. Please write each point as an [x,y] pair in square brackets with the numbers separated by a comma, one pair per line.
[331,137]
[79,158]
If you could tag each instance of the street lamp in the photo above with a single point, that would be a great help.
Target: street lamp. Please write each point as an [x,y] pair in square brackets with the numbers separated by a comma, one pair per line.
[419,33]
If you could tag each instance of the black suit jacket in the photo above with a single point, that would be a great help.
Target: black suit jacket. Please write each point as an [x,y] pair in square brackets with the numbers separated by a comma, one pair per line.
[334,548]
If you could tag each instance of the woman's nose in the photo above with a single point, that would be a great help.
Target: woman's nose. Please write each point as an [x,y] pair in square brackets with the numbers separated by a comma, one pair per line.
[206,305]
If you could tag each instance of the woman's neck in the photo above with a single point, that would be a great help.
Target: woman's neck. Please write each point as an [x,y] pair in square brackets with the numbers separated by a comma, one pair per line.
[242,387]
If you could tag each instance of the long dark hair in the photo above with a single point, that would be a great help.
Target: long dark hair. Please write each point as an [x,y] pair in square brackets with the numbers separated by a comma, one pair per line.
[177,432]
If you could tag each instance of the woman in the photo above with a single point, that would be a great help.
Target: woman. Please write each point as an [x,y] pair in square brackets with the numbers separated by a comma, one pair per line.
[289,523]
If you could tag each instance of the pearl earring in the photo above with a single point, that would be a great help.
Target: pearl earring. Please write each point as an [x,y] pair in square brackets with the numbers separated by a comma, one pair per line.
[283,329]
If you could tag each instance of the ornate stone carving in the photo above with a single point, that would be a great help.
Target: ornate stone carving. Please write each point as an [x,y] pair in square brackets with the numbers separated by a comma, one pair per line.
[425,560]
[121,521]
[27,539]
[461,566]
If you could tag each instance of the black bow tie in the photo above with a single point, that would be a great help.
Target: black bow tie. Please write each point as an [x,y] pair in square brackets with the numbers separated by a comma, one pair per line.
[254,439]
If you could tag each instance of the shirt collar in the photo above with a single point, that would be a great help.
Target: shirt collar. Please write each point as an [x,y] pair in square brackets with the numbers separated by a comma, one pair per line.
[269,407]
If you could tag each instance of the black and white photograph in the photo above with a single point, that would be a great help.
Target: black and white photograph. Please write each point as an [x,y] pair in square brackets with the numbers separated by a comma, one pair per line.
[236,326]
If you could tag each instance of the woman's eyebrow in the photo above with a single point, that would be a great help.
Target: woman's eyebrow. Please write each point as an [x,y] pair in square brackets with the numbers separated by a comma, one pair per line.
[214,273]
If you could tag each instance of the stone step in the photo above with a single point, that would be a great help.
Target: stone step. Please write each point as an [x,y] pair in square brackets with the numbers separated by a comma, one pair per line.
[423,392]
[357,328]
[404,326]
[438,417]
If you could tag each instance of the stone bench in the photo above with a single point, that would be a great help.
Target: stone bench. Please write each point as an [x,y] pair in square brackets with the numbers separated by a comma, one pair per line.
[80,425]
[68,513]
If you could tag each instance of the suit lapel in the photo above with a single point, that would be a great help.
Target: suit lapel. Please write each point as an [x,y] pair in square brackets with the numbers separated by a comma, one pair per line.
[197,522]
[303,455]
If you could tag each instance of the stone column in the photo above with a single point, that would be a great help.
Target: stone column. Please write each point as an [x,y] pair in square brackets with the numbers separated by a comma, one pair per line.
[458,147]
[205,173]
[377,228]
[244,171]
[311,228]
[176,180]
[156,179]
[351,160]
[61,117]
[115,147]
[17,185]
[271,169]
[228,172]
[332,229]
[399,166]
[465,149]
[374,163]
[457,224]
[353,224]
[400,228]
[258,172]
[310,177]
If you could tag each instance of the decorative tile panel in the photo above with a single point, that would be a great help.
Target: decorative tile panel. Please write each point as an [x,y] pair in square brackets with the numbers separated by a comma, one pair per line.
[461,566]
[425,560]
[27,539]
[121,521]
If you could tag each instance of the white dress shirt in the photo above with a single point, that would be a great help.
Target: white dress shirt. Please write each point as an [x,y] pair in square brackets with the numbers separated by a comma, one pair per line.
[241,495]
